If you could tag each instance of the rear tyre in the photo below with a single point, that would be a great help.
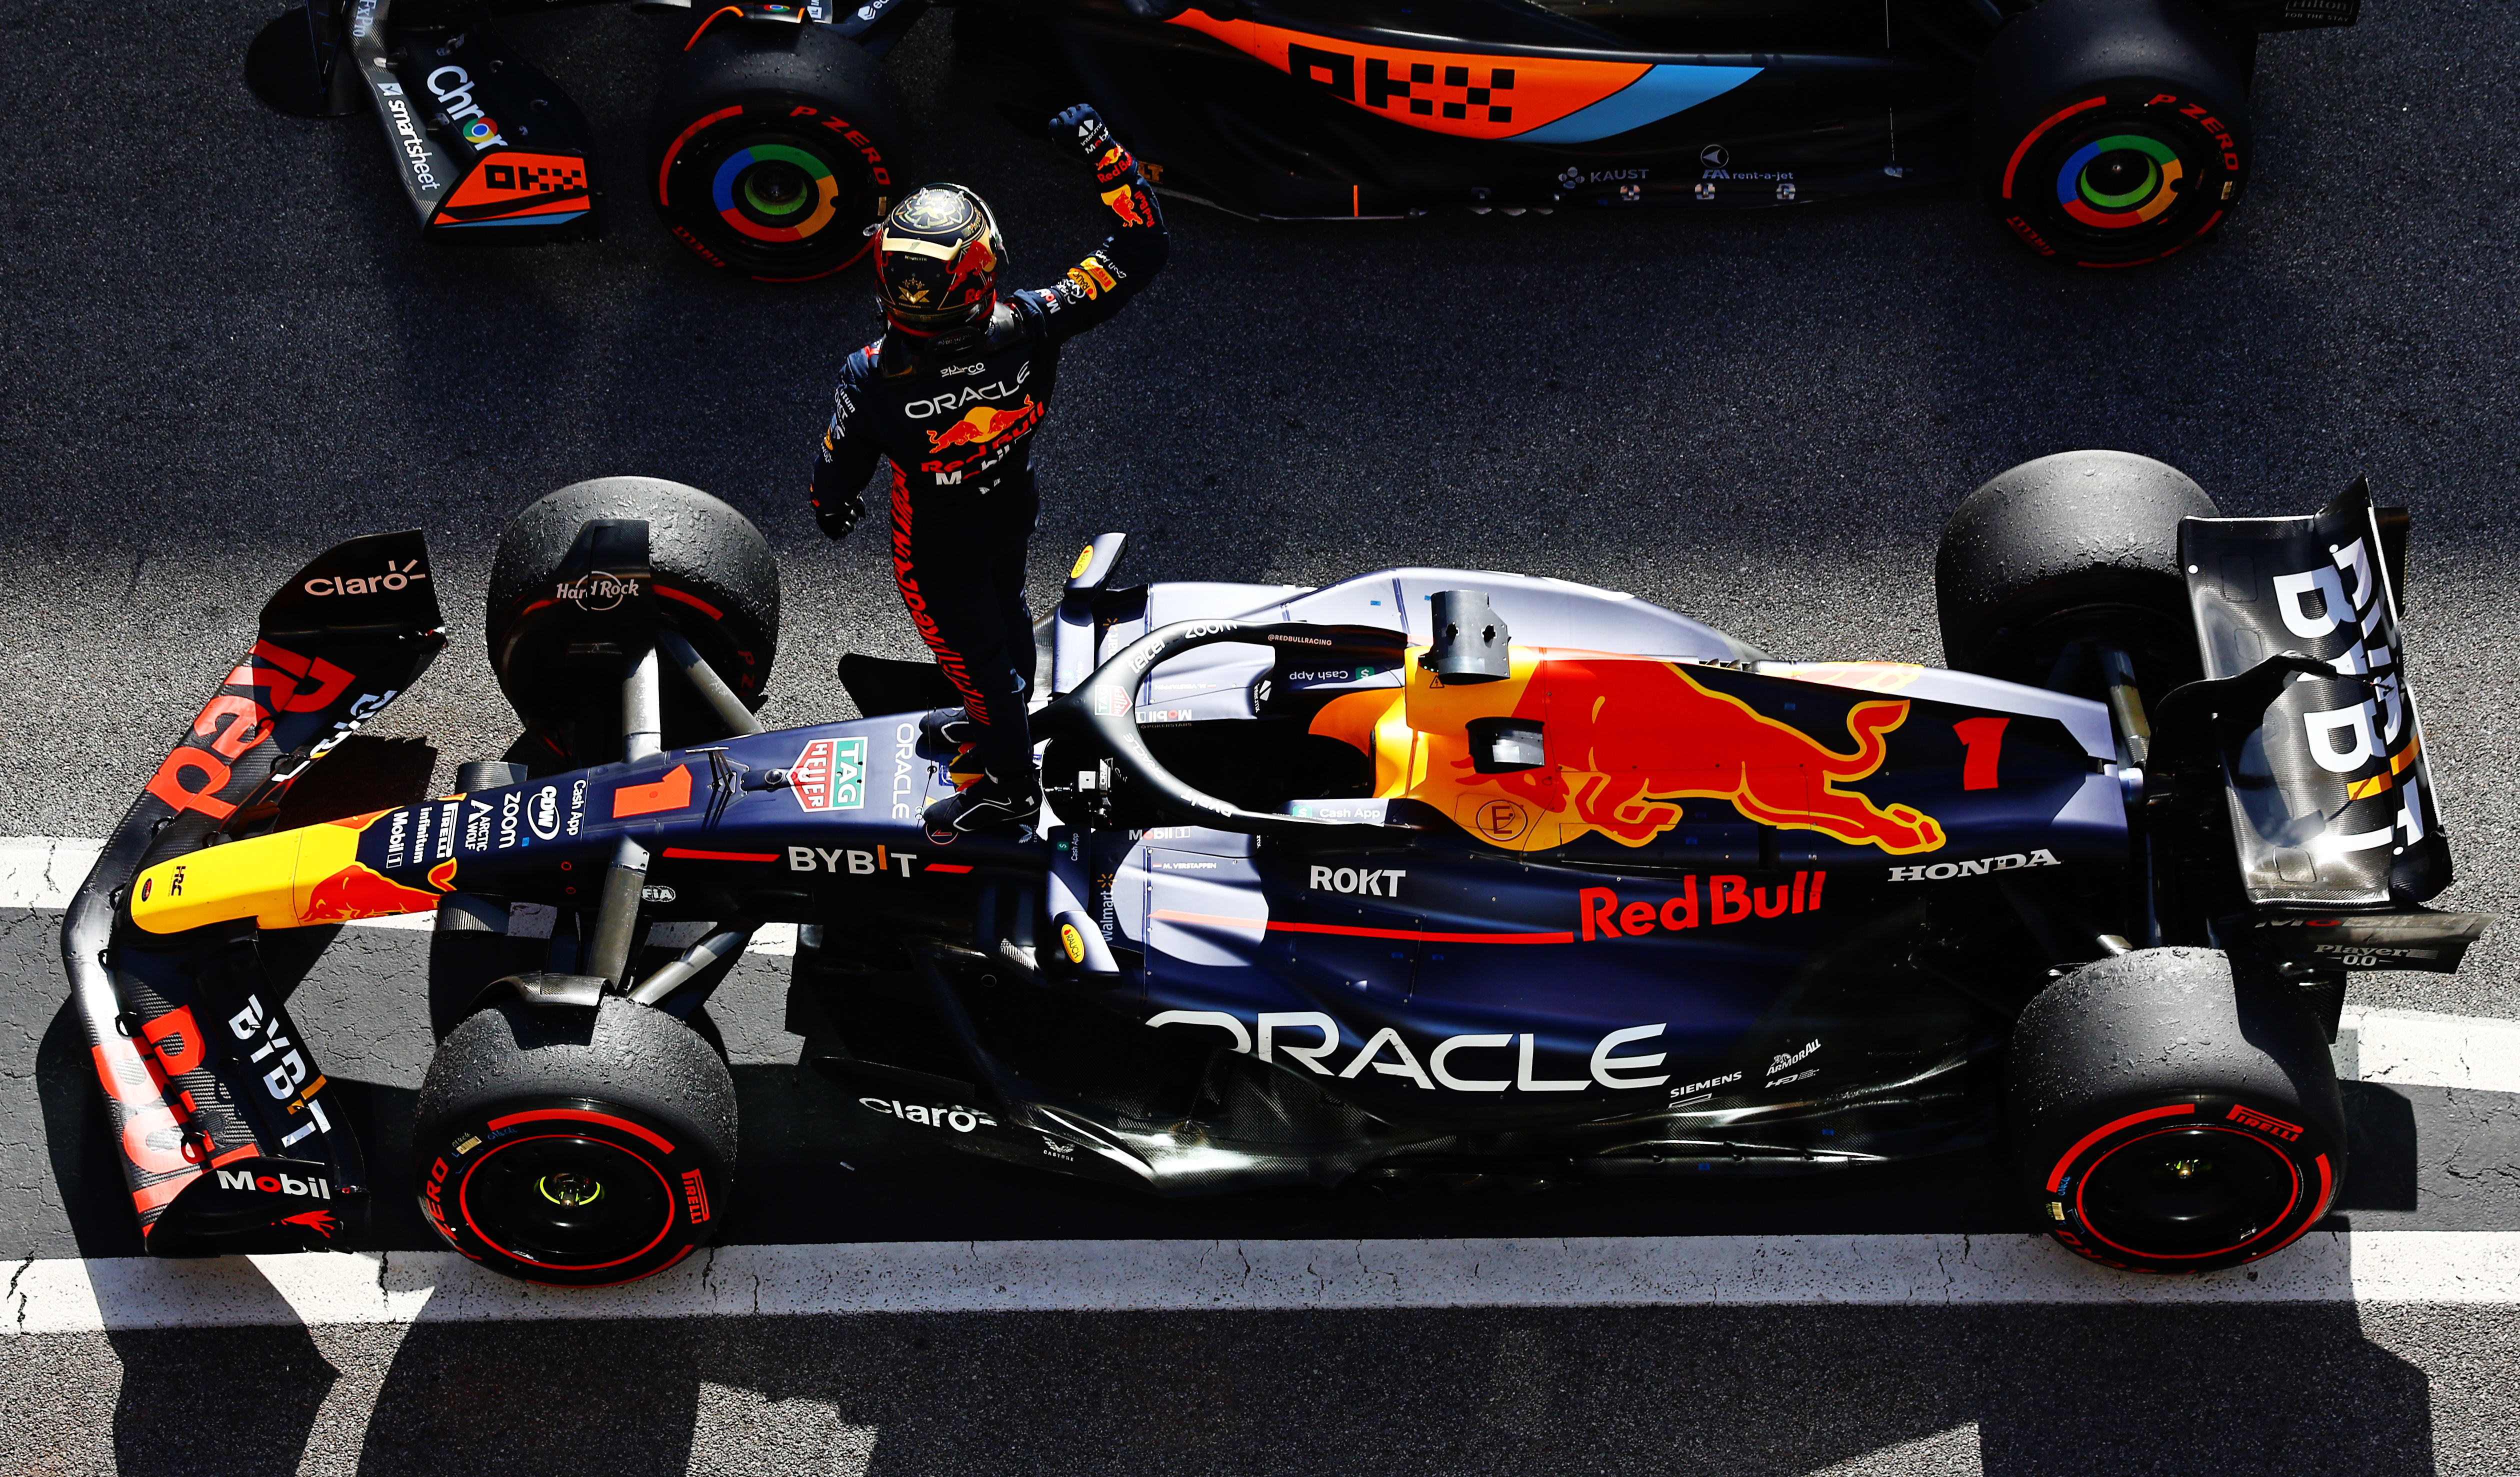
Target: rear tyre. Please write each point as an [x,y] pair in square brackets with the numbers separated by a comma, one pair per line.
[717,582]
[2112,132]
[2083,544]
[574,1148]
[772,148]
[2165,1117]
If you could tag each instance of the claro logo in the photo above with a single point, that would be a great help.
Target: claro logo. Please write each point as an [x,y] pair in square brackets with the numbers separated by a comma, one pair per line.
[395,577]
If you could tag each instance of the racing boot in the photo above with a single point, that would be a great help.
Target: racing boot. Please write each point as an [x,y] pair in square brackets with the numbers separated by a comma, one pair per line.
[941,731]
[991,804]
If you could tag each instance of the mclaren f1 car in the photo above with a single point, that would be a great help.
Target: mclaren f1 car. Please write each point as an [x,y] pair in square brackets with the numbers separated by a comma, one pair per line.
[2102,132]
[1427,872]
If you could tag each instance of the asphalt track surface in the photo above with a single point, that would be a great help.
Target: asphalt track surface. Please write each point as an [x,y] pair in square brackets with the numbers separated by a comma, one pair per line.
[222,348]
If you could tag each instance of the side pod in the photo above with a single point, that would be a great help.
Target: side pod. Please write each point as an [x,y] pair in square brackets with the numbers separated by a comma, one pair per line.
[217,1105]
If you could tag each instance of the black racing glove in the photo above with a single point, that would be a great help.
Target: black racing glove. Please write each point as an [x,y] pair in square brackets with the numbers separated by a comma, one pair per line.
[1081,129]
[837,520]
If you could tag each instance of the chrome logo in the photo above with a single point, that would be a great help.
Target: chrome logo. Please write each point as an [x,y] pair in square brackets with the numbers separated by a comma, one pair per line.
[774,180]
[2117,193]
[480,133]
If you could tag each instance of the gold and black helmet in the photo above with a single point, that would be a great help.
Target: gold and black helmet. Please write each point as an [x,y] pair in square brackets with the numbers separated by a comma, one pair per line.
[936,262]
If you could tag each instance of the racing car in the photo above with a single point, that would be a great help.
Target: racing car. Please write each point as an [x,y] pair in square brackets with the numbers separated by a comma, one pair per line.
[1428,872]
[2102,132]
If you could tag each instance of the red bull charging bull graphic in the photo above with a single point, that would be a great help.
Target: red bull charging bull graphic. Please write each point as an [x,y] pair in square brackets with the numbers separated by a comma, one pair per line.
[983,427]
[1627,740]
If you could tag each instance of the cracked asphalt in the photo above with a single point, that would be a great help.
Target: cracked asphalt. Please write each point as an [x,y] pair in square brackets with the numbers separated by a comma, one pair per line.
[220,353]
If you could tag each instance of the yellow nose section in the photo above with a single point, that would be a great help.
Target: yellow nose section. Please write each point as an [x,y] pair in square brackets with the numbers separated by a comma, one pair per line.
[288,880]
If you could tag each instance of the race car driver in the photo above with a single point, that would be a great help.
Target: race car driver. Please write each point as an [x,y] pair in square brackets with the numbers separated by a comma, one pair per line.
[951,394]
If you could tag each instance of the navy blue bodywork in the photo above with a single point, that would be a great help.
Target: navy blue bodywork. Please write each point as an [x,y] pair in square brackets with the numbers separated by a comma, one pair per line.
[1379,992]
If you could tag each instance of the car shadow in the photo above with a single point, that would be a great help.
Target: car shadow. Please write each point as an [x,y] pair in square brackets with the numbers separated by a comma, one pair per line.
[2027,1389]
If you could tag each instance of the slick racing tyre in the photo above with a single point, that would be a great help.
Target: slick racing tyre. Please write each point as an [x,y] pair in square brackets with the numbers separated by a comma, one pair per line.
[773,147]
[2111,132]
[2165,1118]
[2077,545]
[716,583]
[573,1147]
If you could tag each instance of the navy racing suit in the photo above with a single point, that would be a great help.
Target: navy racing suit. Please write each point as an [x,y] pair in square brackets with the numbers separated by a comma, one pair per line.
[957,430]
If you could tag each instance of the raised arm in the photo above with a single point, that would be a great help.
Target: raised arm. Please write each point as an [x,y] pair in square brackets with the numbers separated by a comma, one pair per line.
[1095,289]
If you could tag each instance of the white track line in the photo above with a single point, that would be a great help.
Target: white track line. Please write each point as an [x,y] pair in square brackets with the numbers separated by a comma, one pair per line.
[73,1296]
[45,872]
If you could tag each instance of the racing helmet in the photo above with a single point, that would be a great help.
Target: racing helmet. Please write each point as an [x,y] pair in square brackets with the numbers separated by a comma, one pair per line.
[936,262]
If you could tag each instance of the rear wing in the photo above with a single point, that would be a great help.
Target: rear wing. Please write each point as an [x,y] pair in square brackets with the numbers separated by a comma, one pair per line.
[217,1107]
[2331,805]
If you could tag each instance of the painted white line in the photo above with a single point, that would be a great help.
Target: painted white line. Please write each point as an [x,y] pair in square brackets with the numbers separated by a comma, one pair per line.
[2421,1049]
[45,872]
[71,1296]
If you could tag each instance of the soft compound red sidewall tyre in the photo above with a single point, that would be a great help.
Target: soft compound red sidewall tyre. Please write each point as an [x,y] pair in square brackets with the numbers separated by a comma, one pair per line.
[2111,133]
[2125,175]
[577,1152]
[2168,1116]
[772,149]
[717,582]
[2189,1185]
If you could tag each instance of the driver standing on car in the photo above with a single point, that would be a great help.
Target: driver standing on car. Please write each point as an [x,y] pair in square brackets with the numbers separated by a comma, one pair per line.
[951,394]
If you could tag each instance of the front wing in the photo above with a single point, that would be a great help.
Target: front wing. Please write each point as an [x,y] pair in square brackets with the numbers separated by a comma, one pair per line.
[219,1112]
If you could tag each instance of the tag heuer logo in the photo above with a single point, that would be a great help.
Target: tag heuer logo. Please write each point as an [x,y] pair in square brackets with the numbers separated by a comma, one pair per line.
[830,775]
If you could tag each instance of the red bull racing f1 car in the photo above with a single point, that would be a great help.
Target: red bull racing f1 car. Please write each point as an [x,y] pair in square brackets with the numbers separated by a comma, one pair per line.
[1427,872]
[2103,132]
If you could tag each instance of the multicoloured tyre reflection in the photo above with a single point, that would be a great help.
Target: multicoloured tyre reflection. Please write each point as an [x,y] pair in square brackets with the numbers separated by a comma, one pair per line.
[774,192]
[2120,181]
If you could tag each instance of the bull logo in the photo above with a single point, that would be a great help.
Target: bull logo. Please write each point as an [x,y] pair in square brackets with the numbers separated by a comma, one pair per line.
[984,426]
[1126,203]
[1627,739]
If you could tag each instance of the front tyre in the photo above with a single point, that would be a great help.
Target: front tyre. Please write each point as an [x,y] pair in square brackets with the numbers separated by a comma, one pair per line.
[2078,546]
[773,147]
[717,580]
[2166,1117]
[2111,133]
[573,1149]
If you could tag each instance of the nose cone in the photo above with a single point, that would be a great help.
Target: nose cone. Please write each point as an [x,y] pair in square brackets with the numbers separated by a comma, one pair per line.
[287,880]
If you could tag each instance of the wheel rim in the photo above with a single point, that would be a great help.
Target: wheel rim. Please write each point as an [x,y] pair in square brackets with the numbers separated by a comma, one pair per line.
[774,192]
[566,1201]
[2120,181]
[2187,1192]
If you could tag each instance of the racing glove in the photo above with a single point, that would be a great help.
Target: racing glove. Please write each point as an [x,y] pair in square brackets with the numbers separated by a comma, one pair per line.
[840,515]
[1081,129]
